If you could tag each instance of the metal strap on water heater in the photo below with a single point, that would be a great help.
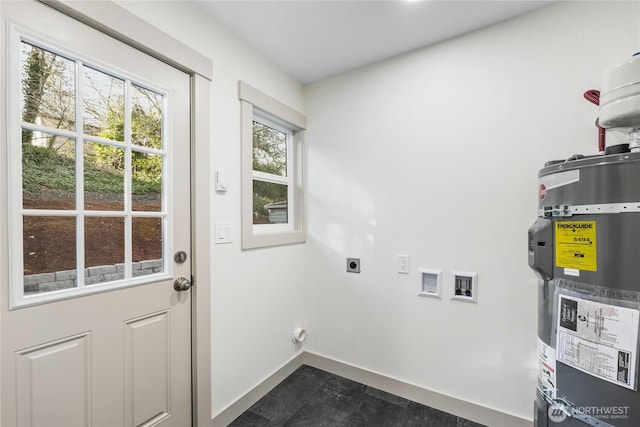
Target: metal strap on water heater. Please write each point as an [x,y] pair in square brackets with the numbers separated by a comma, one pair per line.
[604,208]
[572,412]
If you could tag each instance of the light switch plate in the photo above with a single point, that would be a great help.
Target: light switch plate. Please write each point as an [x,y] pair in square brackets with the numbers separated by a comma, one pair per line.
[223,232]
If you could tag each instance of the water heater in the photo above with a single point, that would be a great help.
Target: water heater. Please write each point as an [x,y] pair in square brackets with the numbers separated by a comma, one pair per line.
[585,249]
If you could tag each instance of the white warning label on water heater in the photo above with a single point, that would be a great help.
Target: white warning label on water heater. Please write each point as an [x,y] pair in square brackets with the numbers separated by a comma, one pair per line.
[599,339]
[546,369]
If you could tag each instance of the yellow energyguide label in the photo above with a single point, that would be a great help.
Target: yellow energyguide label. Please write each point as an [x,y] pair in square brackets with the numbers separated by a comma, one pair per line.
[576,245]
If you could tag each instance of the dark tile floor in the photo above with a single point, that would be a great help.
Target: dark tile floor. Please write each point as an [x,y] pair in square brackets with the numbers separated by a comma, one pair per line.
[311,397]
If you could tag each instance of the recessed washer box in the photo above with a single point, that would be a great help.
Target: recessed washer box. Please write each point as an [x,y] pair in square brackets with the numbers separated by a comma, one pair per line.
[465,286]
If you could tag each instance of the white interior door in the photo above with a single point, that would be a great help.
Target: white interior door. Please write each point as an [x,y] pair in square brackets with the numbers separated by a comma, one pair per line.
[94,204]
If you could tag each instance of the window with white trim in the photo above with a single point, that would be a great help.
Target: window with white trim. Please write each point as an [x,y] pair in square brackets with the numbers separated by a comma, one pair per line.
[272,171]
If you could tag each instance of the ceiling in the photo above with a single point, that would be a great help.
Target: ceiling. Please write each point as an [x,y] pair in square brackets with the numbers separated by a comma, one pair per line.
[315,39]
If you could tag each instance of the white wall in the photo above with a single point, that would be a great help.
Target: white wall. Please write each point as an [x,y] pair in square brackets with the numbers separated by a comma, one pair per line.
[435,154]
[432,154]
[256,294]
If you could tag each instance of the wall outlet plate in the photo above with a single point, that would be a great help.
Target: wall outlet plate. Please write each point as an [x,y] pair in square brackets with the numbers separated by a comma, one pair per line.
[353,265]
[403,264]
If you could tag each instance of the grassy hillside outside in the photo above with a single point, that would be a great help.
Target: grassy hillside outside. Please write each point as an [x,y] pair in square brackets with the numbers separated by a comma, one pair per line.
[43,167]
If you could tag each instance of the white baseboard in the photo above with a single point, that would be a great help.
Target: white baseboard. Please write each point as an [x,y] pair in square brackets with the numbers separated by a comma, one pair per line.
[461,408]
[233,411]
[471,411]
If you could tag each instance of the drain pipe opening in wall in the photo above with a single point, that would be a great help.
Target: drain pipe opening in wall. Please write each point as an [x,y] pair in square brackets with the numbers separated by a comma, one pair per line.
[298,336]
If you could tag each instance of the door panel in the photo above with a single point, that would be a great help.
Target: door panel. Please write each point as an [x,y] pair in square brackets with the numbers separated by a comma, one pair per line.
[147,370]
[96,339]
[54,383]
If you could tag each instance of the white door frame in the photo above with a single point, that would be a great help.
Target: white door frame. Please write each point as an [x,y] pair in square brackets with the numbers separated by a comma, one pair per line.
[117,22]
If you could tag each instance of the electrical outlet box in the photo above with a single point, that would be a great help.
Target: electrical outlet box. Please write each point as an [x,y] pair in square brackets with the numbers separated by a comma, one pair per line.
[430,283]
[353,265]
[465,286]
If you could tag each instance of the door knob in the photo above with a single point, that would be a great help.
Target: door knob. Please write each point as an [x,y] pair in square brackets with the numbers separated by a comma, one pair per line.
[182,284]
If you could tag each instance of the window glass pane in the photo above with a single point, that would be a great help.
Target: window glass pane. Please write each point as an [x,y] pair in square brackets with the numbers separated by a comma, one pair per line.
[48,89]
[49,251]
[104,249]
[48,171]
[146,185]
[269,203]
[103,177]
[269,150]
[147,246]
[146,118]
[103,101]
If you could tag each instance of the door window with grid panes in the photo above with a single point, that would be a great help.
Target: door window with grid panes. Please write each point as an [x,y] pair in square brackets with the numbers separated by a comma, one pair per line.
[87,177]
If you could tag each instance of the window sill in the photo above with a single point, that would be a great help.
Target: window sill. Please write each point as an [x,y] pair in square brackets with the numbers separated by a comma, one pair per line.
[262,240]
